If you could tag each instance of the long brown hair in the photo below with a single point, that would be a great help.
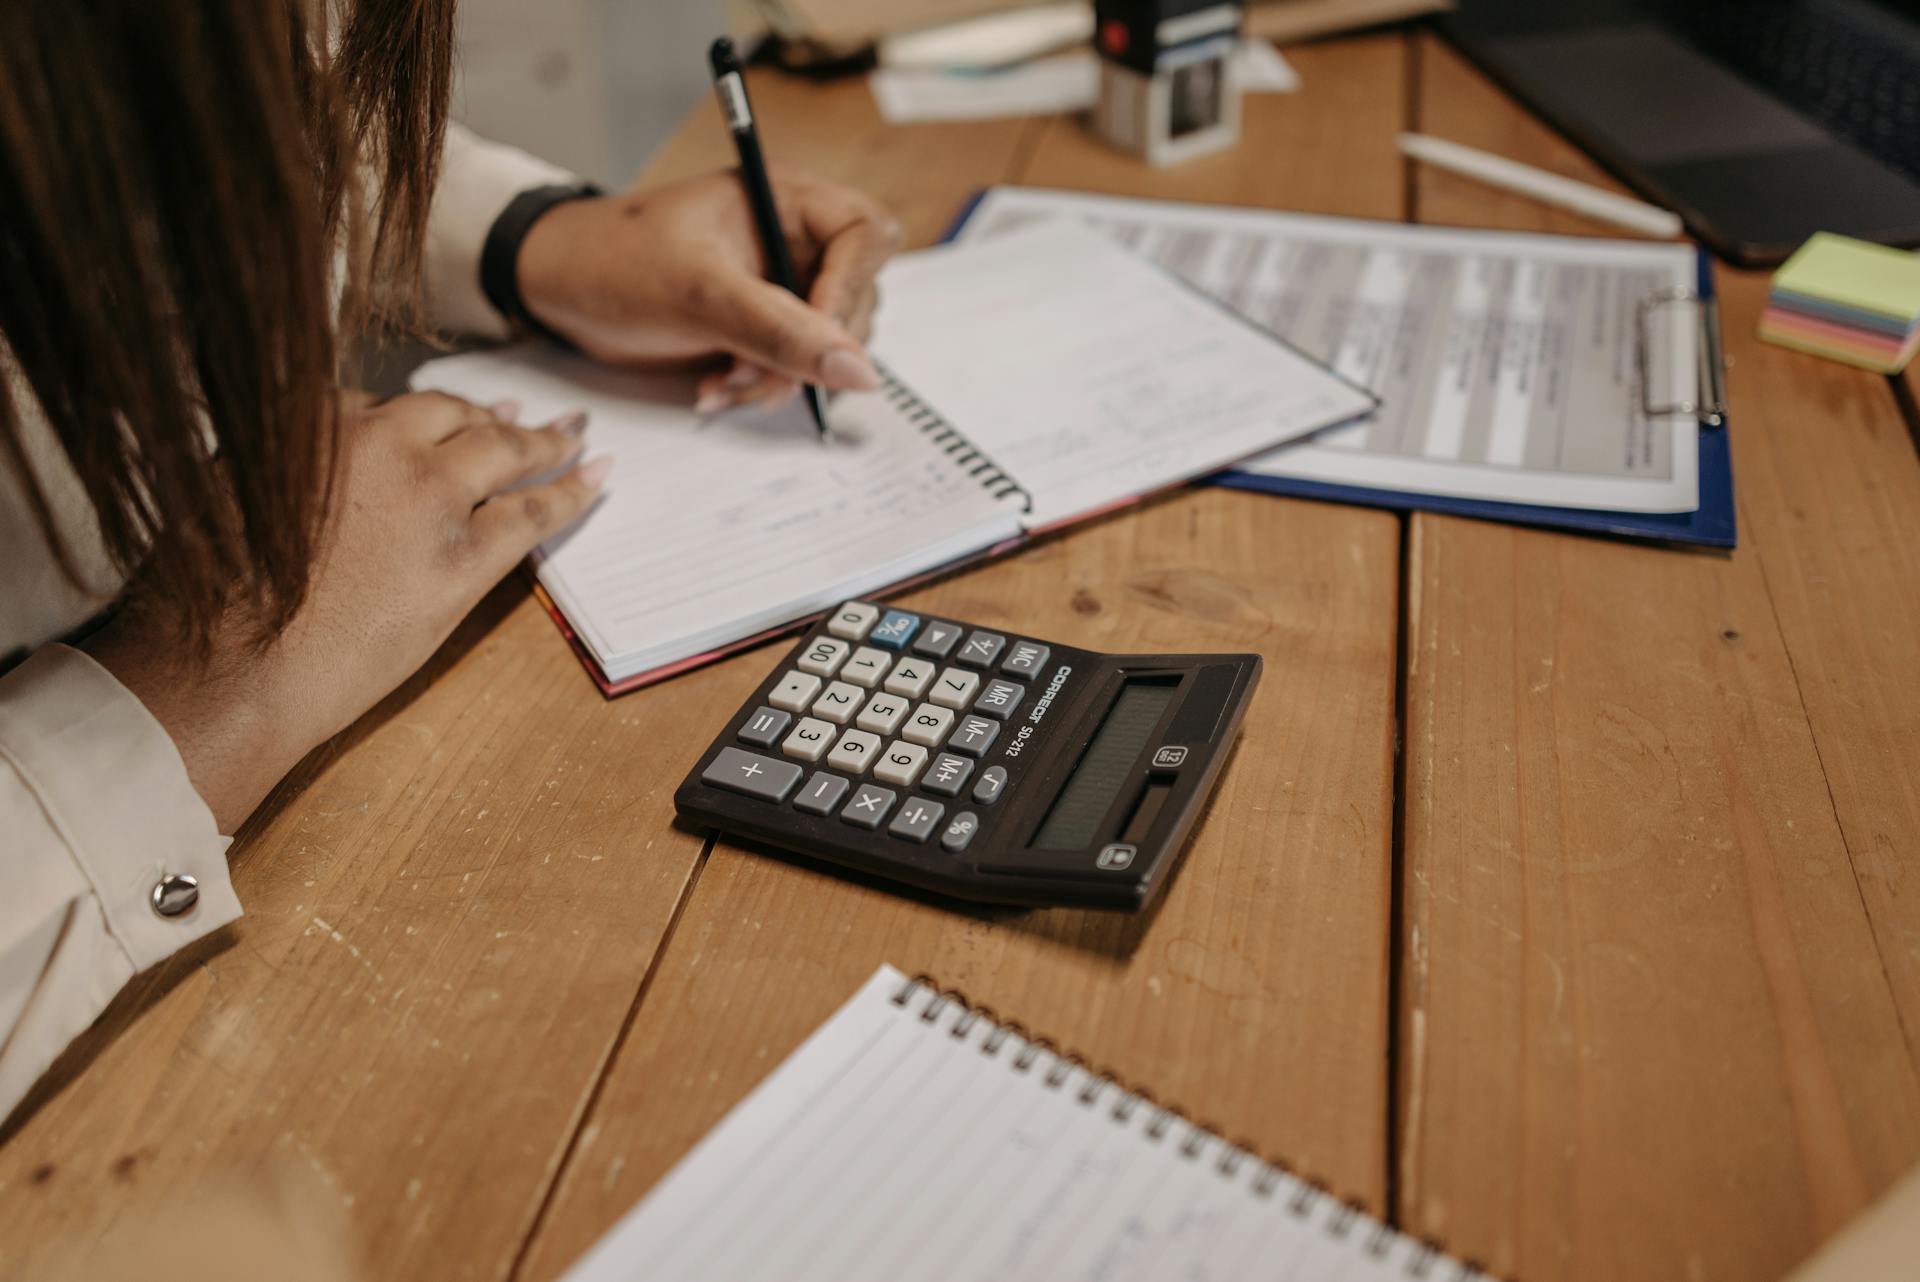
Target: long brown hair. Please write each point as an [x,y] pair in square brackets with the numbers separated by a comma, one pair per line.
[177,178]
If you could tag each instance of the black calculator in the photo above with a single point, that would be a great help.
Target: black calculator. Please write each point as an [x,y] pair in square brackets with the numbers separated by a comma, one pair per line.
[976,763]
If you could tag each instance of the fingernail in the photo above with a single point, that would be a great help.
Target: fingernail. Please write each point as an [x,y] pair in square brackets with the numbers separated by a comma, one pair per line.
[593,473]
[744,376]
[571,424]
[505,411]
[712,401]
[846,370]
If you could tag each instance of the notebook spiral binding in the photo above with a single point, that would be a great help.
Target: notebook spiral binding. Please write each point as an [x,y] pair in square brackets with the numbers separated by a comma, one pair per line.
[964,453]
[1306,1197]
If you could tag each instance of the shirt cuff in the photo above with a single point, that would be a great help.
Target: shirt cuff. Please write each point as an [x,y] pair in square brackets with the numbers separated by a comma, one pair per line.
[477,180]
[113,787]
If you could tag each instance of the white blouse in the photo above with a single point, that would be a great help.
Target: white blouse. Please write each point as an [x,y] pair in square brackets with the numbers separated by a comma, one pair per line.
[99,827]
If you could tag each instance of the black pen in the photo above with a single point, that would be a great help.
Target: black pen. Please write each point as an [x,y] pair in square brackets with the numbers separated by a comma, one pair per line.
[738,113]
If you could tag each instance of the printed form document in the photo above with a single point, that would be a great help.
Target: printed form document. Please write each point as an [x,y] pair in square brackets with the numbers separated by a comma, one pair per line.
[1509,366]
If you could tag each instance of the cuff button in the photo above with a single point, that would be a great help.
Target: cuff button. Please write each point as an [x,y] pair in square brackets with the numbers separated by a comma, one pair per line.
[175,894]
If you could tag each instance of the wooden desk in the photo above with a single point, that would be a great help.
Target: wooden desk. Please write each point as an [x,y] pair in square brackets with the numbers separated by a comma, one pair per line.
[1612,971]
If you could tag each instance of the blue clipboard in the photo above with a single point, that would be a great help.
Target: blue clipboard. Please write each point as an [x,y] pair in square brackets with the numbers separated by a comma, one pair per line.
[1712,524]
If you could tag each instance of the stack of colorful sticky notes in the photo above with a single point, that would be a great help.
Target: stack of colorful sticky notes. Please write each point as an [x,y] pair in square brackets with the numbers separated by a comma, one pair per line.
[1847,300]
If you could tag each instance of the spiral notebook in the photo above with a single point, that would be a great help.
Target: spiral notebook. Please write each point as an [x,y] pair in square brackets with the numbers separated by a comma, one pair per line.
[911,1138]
[1029,383]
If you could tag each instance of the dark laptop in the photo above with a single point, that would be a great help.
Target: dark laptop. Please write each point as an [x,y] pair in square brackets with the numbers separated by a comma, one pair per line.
[1759,121]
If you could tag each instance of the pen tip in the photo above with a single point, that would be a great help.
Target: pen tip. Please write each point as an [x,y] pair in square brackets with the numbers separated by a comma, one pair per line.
[725,61]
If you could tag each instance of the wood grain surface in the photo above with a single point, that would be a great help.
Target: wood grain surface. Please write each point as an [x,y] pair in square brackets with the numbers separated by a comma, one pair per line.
[1656,962]
[1634,993]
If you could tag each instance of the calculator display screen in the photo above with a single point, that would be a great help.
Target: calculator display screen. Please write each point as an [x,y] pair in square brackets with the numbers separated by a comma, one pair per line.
[1106,767]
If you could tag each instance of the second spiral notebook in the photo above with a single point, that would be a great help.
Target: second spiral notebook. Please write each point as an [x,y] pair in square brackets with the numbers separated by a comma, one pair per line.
[1030,382]
[912,1138]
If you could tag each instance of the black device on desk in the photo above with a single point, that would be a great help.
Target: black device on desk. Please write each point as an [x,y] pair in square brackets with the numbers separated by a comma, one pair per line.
[1759,121]
[976,763]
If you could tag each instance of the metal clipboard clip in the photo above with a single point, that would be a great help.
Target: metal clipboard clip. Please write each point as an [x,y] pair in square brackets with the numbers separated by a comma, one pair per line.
[1709,402]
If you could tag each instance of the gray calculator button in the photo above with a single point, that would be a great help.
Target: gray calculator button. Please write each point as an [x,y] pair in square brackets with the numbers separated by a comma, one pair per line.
[1026,660]
[937,639]
[946,774]
[916,820]
[981,649]
[993,781]
[999,699]
[752,775]
[821,795]
[869,806]
[960,832]
[765,726]
[975,736]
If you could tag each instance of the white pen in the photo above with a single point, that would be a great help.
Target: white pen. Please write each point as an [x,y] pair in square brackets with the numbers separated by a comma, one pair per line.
[1552,189]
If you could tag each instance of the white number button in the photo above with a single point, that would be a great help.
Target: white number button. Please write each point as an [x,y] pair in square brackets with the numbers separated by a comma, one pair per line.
[852,621]
[928,725]
[955,688]
[824,656]
[901,764]
[883,714]
[855,752]
[839,702]
[866,667]
[795,691]
[809,740]
[909,680]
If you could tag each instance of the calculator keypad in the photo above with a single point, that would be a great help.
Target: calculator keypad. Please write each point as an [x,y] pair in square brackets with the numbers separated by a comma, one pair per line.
[911,678]
[999,699]
[822,794]
[955,688]
[883,714]
[866,667]
[855,752]
[947,775]
[901,764]
[752,775]
[795,691]
[894,630]
[824,655]
[981,649]
[869,806]
[910,703]
[852,621]
[916,820]
[928,725]
[937,640]
[974,736]
[1026,661]
[765,726]
[809,740]
[838,702]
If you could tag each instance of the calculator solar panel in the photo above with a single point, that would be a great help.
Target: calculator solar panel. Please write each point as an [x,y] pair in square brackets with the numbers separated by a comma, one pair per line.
[976,763]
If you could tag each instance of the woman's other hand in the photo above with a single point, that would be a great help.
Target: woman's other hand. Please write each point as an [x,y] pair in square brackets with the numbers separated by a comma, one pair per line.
[435,501]
[677,275]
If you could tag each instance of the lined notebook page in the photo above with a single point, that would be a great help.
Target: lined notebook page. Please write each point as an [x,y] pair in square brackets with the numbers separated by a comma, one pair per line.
[910,1140]
[1090,374]
[712,532]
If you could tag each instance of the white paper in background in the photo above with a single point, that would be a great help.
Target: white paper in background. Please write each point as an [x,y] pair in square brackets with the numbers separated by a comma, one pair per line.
[1507,363]
[1044,87]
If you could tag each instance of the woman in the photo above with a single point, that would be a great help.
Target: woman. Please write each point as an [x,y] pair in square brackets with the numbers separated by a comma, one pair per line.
[215,557]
